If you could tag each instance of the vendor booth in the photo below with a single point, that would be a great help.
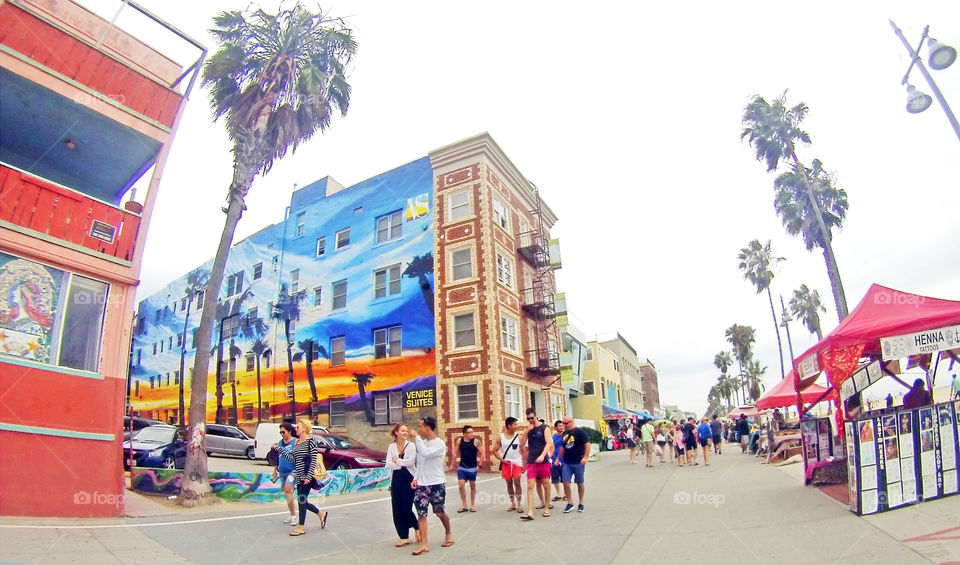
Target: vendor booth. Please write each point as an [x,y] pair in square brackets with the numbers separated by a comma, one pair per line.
[815,433]
[898,455]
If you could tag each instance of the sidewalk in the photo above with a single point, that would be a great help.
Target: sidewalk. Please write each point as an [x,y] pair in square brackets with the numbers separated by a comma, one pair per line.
[735,510]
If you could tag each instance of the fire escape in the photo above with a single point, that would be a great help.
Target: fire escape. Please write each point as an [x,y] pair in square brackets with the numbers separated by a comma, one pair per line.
[538,300]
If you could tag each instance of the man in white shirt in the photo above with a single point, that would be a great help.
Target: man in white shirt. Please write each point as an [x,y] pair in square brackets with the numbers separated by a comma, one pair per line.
[429,481]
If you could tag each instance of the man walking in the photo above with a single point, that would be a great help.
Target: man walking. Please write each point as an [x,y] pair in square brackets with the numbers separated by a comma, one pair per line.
[704,435]
[690,441]
[469,451]
[716,431]
[537,451]
[555,475]
[506,450]
[429,481]
[574,451]
[743,429]
[646,436]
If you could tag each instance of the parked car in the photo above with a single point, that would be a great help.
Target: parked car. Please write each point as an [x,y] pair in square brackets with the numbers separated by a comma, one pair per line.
[342,452]
[157,446]
[268,433]
[228,440]
[138,424]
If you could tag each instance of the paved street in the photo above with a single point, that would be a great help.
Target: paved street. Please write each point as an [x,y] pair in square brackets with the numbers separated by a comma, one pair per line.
[736,510]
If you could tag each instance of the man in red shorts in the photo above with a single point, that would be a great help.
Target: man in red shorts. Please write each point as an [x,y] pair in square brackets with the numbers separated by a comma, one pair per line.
[506,450]
[537,451]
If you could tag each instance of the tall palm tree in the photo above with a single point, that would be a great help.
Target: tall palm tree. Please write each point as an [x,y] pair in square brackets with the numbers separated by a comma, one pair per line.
[259,349]
[362,380]
[723,361]
[753,374]
[805,305]
[196,280]
[756,261]
[741,338]
[773,129]
[785,320]
[287,310]
[310,351]
[276,79]
[419,268]
[250,326]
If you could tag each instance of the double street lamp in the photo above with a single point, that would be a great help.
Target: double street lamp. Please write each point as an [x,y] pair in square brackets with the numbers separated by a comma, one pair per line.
[941,57]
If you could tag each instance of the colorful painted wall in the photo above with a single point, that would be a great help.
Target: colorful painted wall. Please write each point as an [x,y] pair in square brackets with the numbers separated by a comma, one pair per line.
[365,301]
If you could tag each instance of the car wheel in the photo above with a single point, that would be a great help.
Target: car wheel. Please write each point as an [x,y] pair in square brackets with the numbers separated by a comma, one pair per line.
[250,453]
[341,466]
[169,463]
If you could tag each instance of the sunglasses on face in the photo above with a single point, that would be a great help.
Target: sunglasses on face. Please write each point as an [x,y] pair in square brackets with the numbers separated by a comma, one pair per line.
[530,419]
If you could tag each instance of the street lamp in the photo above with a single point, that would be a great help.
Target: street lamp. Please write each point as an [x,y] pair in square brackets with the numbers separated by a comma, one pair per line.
[941,57]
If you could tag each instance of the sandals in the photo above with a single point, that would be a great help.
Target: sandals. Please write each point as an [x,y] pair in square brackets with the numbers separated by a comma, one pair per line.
[461,510]
[401,543]
[323,521]
[447,543]
[420,550]
[546,514]
[297,533]
[512,509]
[541,507]
[473,509]
[526,517]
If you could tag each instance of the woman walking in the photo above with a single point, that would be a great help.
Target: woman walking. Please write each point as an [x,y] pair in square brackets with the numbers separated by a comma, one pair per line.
[304,456]
[401,459]
[631,440]
[284,470]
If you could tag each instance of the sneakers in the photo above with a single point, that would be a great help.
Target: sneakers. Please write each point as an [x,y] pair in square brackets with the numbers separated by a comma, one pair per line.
[579,508]
[569,508]
[292,520]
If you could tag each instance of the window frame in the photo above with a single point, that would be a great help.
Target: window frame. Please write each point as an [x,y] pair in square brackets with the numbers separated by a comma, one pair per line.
[505,334]
[257,271]
[391,287]
[459,411]
[333,303]
[338,244]
[391,225]
[501,215]
[456,332]
[301,224]
[593,388]
[337,419]
[388,342]
[506,270]
[454,207]
[321,247]
[513,407]
[454,264]
[338,358]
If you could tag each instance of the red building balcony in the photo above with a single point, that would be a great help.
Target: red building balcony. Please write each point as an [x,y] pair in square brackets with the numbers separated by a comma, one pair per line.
[48,210]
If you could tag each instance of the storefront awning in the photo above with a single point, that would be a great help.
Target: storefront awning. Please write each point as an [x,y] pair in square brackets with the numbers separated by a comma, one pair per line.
[644,415]
[611,413]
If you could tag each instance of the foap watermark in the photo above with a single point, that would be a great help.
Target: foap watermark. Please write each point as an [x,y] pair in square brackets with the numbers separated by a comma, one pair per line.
[699,498]
[83,497]
[895,298]
[88,99]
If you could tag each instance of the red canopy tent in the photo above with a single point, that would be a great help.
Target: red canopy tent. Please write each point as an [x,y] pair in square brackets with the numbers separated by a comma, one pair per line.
[748,411]
[784,395]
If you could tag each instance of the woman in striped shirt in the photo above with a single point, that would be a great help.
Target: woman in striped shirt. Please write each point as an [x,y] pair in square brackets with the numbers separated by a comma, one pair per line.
[304,456]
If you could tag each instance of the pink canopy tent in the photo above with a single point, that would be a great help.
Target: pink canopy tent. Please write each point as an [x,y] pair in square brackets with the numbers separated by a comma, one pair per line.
[748,411]
[784,395]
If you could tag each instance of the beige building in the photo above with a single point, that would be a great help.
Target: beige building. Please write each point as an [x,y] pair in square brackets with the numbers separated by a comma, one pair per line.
[627,364]
[603,392]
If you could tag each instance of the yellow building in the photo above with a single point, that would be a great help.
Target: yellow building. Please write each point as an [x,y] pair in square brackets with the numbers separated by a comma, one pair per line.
[603,394]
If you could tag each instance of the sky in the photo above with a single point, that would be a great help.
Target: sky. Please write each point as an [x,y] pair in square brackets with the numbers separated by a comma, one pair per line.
[627,116]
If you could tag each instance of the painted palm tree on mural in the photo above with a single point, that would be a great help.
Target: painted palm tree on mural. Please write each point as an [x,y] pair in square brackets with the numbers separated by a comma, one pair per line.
[756,262]
[310,351]
[806,306]
[276,79]
[773,129]
[249,327]
[362,380]
[419,268]
[229,316]
[287,310]
[741,338]
[260,350]
[196,280]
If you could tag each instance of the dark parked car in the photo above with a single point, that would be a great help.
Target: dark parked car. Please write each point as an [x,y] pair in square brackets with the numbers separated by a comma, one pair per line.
[341,452]
[138,424]
[157,446]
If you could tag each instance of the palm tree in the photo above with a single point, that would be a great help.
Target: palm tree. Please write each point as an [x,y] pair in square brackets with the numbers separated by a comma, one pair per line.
[723,361]
[228,313]
[741,338]
[196,280]
[785,320]
[276,80]
[259,348]
[753,374]
[756,261]
[773,129]
[805,305]
[250,326]
[287,310]
[792,203]
[419,268]
[362,380]
[310,350]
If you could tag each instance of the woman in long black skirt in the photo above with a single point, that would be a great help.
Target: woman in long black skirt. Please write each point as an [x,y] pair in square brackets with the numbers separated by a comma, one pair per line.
[401,458]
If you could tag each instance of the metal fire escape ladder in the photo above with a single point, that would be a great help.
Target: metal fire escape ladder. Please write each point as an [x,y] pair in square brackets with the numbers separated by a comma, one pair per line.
[538,300]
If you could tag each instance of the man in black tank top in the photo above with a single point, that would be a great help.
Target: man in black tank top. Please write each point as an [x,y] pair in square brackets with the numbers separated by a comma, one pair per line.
[470,453]
[536,452]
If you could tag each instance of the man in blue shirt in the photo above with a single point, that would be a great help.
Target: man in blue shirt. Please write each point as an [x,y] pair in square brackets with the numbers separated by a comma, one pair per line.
[705,435]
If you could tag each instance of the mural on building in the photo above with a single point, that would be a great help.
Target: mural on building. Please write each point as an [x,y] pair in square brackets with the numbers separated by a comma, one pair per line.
[28,302]
[340,294]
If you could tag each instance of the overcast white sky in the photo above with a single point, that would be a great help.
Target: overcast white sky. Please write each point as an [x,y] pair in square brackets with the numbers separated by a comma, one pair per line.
[627,116]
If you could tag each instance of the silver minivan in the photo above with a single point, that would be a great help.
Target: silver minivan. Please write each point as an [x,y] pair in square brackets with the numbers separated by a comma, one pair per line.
[228,440]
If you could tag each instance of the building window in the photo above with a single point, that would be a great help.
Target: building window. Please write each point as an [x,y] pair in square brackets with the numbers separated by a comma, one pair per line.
[339,295]
[386,342]
[389,227]
[200,295]
[235,283]
[338,413]
[139,356]
[459,205]
[251,362]
[343,238]
[588,388]
[504,270]
[589,354]
[266,358]
[257,271]
[265,409]
[501,215]
[170,343]
[301,222]
[275,263]
[151,382]
[321,246]
[386,282]
[462,264]
[294,281]
[194,338]
[143,325]
[317,295]
[168,379]
[387,407]
[136,391]
[467,406]
[248,411]
[557,406]
[603,389]
[156,317]
[179,340]
[176,377]
[463,335]
[161,346]
[253,314]
[154,348]
[513,401]
[338,346]
[508,332]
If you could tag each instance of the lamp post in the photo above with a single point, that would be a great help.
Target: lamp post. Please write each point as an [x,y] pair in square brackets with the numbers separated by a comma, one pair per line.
[941,57]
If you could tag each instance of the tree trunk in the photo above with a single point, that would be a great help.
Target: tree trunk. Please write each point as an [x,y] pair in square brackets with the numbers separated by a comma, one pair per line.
[308,355]
[833,272]
[427,292]
[219,387]
[183,355]
[195,486]
[259,398]
[786,326]
[776,327]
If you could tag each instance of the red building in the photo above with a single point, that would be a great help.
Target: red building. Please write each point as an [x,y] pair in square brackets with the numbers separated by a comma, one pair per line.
[86,110]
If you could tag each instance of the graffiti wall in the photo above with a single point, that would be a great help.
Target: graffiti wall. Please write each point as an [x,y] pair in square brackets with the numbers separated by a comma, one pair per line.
[328,312]
[257,487]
